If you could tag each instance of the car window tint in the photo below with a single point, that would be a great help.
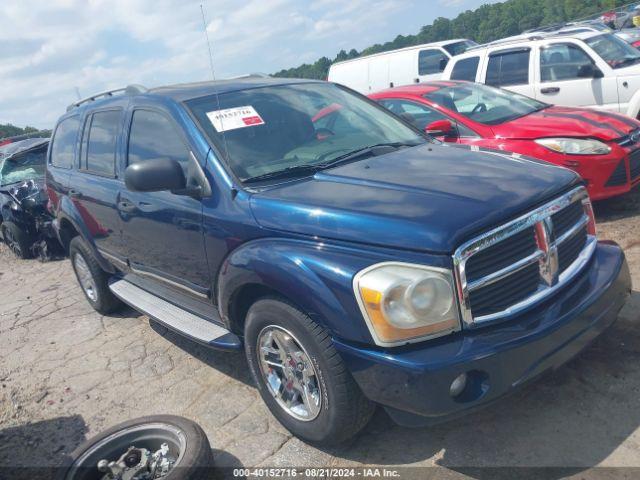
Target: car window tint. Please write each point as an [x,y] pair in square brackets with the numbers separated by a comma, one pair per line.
[563,61]
[281,126]
[508,68]
[431,61]
[416,113]
[101,144]
[465,69]
[64,142]
[154,136]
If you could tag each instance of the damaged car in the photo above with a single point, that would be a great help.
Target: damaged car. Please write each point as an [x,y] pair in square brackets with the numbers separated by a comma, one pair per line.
[25,223]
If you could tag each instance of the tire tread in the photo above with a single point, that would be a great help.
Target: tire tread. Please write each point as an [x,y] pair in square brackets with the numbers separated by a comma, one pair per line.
[107,301]
[355,410]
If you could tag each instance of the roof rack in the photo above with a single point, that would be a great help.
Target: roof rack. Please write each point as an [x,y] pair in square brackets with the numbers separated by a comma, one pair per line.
[128,90]
[507,41]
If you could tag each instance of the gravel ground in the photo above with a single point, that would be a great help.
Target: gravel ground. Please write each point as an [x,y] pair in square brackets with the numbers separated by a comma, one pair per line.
[67,373]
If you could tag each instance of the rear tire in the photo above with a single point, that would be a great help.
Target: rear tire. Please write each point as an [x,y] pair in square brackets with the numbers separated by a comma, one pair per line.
[18,241]
[343,409]
[93,280]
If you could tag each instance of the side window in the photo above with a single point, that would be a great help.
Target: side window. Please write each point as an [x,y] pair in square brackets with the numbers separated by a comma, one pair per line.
[64,143]
[102,141]
[431,61]
[154,136]
[465,69]
[509,67]
[563,61]
[416,113]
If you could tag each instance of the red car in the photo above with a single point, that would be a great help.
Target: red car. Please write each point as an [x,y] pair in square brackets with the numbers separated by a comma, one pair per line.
[603,147]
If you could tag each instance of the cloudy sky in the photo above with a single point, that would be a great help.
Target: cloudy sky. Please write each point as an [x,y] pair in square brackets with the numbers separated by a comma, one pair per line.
[52,49]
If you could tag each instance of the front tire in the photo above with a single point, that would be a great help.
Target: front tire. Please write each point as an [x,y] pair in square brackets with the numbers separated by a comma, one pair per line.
[300,375]
[18,241]
[93,280]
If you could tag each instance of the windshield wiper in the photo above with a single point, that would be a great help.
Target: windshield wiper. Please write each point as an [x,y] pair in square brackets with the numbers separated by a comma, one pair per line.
[309,169]
[360,152]
[628,61]
[289,172]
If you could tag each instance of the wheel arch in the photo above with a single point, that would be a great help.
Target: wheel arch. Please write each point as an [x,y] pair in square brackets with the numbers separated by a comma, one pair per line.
[70,225]
[315,281]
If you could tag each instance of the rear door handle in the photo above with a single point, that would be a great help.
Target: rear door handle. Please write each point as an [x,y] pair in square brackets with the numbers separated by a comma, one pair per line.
[550,90]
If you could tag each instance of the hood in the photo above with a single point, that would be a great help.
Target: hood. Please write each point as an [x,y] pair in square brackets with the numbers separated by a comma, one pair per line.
[567,122]
[427,198]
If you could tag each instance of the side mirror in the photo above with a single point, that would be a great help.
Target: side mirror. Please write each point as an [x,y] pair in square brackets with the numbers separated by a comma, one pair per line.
[439,128]
[155,176]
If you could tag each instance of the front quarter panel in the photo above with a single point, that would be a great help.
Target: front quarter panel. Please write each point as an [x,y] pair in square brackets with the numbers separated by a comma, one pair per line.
[316,277]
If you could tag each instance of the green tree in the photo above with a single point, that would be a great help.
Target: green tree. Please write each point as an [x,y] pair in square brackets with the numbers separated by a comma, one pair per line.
[9,130]
[484,24]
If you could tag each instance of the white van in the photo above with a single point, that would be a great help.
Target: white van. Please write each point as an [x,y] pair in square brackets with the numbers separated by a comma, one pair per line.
[398,67]
[585,69]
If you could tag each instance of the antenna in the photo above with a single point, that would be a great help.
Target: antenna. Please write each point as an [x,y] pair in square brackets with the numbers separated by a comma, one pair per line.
[78,93]
[215,87]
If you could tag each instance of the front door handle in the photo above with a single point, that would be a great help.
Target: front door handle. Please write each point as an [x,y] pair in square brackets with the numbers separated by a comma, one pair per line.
[126,207]
[75,194]
[550,90]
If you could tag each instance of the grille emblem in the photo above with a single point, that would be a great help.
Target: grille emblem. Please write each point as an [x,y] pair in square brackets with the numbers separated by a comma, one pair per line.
[549,265]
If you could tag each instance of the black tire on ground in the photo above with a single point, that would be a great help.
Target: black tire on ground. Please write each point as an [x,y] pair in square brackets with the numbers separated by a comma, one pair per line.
[18,241]
[195,463]
[344,409]
[105,301]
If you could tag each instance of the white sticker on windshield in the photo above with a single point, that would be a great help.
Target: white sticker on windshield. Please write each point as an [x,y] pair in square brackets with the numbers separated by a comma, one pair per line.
[233,118]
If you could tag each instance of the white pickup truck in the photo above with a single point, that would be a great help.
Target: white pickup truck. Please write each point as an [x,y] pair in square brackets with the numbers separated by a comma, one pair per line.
[585,69]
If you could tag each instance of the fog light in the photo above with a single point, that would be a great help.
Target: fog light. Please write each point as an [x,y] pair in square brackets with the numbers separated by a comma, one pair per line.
[458,384]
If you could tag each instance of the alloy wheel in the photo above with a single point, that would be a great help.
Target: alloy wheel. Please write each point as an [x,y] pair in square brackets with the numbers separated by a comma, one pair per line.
[289,373]
[85,277]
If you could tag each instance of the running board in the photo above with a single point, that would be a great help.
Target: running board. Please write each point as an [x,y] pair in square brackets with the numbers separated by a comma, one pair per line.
[175,318]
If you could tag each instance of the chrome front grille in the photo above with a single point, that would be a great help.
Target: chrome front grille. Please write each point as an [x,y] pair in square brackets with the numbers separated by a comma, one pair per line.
[518,264]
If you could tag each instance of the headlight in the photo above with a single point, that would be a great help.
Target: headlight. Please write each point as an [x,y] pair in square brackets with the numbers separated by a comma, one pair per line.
[574,146]
[403,302]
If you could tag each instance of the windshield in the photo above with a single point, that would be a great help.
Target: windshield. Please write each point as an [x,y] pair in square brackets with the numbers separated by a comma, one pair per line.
[484,104]
[613,50]
[23,167]
[291,127]
[459,47]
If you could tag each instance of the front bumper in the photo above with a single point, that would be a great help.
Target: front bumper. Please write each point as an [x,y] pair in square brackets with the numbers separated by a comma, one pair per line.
[413,382]
[613,175]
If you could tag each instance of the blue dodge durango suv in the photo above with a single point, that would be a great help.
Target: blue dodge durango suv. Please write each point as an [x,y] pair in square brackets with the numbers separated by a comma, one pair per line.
[357,261]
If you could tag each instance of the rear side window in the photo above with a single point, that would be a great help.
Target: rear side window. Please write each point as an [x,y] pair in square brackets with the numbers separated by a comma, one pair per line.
[154,136]
[64,143]
[102,141]
[431,61]
[563,61]
[465,69]
[508,68]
